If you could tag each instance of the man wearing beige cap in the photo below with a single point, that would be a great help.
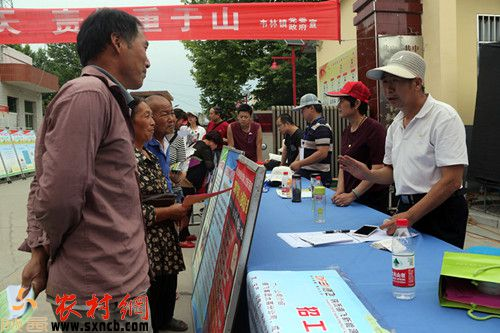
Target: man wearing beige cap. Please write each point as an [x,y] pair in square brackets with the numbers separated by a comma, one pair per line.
[425,153]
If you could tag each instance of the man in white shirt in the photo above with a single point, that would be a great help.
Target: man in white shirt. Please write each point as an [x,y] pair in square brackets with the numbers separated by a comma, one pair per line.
[425,153]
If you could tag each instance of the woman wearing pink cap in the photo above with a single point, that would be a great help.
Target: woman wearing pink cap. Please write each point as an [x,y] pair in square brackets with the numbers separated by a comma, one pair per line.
[364,140]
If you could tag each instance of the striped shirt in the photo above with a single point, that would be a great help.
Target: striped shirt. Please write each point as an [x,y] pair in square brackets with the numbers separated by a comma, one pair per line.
[317,134]
[177,148]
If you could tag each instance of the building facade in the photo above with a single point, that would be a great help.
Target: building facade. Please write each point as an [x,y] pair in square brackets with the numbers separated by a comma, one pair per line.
[445,32]
[21,88]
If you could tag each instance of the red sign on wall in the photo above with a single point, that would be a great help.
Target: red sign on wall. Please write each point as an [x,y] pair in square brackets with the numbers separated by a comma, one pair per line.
[4,108]
[251,21]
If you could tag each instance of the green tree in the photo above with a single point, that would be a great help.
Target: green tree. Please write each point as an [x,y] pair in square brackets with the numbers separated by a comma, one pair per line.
[224,69]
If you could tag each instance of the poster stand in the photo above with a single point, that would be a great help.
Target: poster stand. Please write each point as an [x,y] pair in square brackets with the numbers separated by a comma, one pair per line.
[222,268]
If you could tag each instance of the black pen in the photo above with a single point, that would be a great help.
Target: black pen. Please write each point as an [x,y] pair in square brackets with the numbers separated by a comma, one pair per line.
[344,231]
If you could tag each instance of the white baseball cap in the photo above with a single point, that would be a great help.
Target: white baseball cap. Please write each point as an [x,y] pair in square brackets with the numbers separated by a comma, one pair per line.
[405,64]
[306,100]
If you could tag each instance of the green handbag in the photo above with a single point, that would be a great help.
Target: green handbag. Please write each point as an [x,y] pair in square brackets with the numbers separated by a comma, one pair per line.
[471,281]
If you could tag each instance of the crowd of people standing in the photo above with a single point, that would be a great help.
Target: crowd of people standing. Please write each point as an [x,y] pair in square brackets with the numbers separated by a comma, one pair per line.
[102,236]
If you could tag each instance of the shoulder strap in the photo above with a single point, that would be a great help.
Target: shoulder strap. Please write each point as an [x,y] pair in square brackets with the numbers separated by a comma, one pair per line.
[172,138]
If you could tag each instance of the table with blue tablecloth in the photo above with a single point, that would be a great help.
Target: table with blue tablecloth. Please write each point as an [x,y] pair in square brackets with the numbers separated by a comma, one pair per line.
[367,269]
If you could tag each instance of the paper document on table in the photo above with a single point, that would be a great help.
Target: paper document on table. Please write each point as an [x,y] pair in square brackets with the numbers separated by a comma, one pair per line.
[275,157]
[307,239]
[376,236]
[293,239]
[323,239]
[386,244]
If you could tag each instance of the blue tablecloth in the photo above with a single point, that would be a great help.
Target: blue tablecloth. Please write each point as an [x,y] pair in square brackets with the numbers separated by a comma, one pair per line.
[368,269]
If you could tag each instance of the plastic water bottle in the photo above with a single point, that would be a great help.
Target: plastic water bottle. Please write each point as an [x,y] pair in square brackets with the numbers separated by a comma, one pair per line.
[403,262]
[315,181]
[319,202]
[285,184]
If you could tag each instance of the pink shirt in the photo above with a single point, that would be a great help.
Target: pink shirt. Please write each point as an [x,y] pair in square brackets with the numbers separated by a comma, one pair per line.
[84,200]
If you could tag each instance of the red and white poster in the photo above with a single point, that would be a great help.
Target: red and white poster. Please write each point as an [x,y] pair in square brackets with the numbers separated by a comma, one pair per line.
[232,237]
[251,21]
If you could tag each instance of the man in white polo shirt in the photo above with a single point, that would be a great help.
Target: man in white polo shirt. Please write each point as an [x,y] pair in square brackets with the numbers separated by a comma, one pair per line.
[425,153]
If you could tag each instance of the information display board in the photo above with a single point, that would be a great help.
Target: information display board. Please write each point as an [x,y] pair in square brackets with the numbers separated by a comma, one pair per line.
[223,179]
[8,154]
[222,267]
[24,144]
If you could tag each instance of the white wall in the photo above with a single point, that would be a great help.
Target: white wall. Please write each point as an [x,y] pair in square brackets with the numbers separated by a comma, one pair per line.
[17,120]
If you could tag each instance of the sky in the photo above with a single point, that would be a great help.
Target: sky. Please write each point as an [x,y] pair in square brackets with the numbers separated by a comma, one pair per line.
[170,68]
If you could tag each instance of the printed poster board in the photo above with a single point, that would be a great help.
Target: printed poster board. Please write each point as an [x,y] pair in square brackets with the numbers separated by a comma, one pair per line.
[323,303]
[24,144]
[8,154]
[335,73]
[220,276]
[223,179]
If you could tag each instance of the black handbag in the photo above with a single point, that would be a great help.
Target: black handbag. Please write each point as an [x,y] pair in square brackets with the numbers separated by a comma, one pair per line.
[159,200]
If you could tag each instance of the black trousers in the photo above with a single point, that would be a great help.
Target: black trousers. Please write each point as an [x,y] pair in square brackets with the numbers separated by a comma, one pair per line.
[378,200]
[447,222]
[161,296]
[326,177]
[183,233]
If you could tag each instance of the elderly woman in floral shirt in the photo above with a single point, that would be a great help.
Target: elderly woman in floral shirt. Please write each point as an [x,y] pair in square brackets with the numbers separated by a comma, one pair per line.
[164,253]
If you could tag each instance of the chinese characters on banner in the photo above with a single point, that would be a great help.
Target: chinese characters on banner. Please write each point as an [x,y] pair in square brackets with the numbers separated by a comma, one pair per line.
[305,301]
[296,20]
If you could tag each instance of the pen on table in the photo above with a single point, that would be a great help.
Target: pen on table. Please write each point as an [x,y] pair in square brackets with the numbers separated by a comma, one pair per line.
[344,231]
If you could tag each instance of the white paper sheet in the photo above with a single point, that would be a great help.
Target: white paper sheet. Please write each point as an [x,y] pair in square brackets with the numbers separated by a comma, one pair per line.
[296,239]
[324,239]
[275,157]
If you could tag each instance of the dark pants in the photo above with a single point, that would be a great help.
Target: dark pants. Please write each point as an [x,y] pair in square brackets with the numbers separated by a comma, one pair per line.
[161,296]
[326,177]
[447,222]
[183,233]
[378,200]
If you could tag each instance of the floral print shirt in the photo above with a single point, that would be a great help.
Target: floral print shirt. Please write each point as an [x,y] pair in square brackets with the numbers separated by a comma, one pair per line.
[162,243]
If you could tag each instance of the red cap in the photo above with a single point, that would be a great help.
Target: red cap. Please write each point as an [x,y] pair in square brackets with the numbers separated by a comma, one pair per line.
[402,223]
[354,89]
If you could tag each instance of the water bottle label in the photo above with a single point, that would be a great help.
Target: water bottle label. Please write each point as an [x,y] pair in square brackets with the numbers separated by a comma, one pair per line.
[403,270]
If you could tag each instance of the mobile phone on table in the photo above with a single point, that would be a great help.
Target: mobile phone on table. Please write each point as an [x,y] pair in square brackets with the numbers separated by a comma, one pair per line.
[365,230]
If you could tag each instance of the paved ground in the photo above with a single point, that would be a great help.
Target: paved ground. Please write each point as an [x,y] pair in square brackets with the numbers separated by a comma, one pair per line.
[480,231]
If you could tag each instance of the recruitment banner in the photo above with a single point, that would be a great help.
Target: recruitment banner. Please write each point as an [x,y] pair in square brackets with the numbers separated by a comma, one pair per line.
[24,145]
[305,301]
[235,21]
[8,154]
[215,297]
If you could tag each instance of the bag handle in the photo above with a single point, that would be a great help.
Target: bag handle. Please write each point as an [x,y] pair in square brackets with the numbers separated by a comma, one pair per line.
[481,270]
[473,316]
